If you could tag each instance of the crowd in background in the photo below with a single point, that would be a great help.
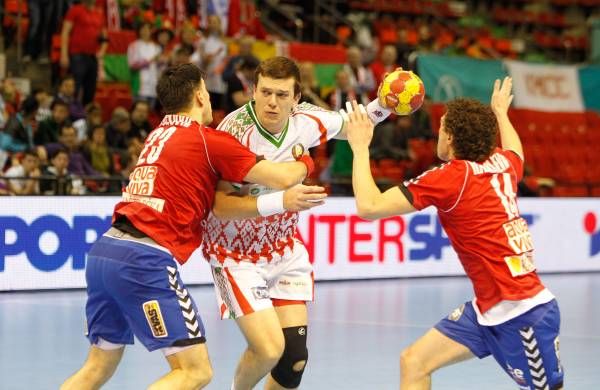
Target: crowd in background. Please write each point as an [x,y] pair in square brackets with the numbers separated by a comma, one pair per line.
[55,141]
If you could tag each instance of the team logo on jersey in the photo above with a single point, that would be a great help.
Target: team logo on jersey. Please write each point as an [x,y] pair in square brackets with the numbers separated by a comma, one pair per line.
[155,319]
[521,264]
[590,226]
[518,375]
[297,151]
[457,313]
[261,292]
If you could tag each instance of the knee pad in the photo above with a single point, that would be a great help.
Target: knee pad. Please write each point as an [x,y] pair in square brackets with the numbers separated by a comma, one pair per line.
[295,351]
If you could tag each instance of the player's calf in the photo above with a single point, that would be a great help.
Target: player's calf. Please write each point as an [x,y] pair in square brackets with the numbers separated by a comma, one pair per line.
[288,371]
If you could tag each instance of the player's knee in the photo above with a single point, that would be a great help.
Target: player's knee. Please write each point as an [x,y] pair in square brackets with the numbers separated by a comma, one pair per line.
[411,364]
[198,377]
[288,371]
[270,351]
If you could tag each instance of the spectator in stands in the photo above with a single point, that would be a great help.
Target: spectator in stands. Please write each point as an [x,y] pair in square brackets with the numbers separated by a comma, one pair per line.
[182,55]
[97,152]
[140,126]
[213,52]
[385,64]
[66,93]
[191,40]
[245,50]
[361,78]
[43,100]
[93,117]
[164,38]
[240,86]
[67,139]
[341,161]
[130,161]
[390,140]
[18,133]
[118,131]
[47,131]
[142,56]
[311,92]
[344,91]
[28,168]
[59,181]
[39,33]
[244,19]
[83,42]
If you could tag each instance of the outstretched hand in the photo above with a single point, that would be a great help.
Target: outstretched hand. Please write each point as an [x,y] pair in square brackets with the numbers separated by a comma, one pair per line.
[359,127]
[502,96]
[301,197]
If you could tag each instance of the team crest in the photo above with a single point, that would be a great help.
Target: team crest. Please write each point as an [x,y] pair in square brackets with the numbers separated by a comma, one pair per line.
[155,319]
[457,313]
[297,151]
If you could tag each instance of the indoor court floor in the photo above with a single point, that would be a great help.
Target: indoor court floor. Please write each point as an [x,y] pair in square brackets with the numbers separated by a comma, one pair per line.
[357,330]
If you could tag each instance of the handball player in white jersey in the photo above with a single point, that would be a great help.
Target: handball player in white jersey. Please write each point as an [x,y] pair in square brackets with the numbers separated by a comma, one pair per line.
[262,273]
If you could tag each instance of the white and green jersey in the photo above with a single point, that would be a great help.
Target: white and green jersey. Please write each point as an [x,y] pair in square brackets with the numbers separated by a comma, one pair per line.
[262,238]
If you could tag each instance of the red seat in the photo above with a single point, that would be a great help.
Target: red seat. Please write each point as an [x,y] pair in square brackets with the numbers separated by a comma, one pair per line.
[570,191]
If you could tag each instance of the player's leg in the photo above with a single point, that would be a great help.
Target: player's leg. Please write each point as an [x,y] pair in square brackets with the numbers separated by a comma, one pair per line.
[243,295]
[99,366]
[160,311]
[452,340]
[190,369]
[107,328]
[429,353]
[291,285]
[287,373]
[265,347]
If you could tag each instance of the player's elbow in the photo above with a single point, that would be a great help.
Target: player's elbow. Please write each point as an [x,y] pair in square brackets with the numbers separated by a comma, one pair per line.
[367,211]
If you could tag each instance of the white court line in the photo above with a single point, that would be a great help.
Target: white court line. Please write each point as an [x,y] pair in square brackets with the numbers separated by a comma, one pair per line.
[407,325]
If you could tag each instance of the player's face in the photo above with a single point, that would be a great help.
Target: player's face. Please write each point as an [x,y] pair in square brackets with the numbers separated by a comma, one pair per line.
[443,145]
[274,101]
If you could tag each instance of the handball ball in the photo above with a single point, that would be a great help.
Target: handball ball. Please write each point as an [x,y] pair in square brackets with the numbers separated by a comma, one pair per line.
[401,91]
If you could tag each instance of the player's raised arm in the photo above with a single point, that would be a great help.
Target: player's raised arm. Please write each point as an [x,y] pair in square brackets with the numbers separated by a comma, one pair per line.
[230,205]
[370,202]
[501,99]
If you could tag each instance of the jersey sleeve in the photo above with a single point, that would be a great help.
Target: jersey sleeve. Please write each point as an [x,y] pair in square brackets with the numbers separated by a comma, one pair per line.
[228,157]
[440,187]
[321,124]
[515,161]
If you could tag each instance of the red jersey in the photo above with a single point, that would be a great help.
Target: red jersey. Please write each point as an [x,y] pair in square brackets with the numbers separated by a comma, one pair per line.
[87,29]
[477,206]
[172,187]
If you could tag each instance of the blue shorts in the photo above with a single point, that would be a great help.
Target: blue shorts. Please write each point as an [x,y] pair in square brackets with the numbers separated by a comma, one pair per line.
[526,347]
[135,288]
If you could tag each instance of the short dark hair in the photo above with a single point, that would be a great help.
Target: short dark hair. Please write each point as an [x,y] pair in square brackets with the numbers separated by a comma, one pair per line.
[58,102]
[176,87]
[473,128]
[137,103]
[66,125]
[59,151]
[279,68]
[248,63]
[31,152]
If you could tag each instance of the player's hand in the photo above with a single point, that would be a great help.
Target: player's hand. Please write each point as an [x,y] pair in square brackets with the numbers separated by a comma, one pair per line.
[359,127]
[301,197]
[502,96]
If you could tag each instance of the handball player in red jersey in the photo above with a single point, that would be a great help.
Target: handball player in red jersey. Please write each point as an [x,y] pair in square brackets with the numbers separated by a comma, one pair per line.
[132,281]
[513,317]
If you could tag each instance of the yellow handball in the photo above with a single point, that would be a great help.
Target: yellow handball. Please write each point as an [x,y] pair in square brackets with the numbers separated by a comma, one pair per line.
[401,91]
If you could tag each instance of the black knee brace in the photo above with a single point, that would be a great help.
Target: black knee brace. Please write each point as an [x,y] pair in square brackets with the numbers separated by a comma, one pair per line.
[295,351]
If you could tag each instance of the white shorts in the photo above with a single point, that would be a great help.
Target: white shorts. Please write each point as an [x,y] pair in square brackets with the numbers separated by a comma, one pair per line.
[246,287]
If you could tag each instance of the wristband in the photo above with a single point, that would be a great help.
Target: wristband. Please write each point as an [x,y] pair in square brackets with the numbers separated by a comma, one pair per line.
[270,204]
[308,161]
[377,113]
